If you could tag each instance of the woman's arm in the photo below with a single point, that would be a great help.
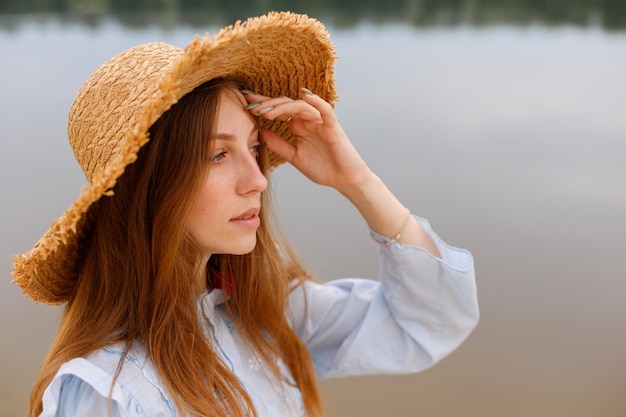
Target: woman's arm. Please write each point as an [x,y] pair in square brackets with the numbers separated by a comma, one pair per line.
[424,304]
[326,156]
[419,311]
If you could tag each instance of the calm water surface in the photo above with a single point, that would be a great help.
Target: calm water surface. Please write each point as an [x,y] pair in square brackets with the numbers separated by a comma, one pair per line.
[511,140]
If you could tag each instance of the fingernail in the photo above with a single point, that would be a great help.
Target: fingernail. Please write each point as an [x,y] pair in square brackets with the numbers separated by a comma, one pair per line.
[306,90]
[253,105]
[246,91]
[264,110]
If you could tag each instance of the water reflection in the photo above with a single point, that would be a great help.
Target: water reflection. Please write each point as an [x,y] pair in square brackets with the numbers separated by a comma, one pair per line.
[509,139]
[608,14]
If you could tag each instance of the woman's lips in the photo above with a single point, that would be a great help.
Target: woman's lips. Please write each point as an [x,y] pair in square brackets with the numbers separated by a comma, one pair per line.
[249,218]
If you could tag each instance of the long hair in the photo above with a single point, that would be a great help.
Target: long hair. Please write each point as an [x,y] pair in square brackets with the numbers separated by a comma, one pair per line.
[137,282]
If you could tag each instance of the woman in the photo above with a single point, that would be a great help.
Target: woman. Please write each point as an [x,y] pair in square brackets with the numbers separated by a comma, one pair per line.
[181,296]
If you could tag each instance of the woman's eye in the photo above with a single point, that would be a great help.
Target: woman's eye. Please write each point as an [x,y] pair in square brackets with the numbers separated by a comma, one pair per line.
[257,148]
[218,157]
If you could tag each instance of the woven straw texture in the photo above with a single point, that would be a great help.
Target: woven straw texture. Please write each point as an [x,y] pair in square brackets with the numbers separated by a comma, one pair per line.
[108,122]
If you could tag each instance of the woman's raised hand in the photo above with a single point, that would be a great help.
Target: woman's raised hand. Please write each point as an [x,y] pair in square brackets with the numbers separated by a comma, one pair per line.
[325,155]
[322,150]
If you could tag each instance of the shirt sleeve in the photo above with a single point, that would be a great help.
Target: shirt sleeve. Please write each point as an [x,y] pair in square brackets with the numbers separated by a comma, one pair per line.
[79,389]
[418,312]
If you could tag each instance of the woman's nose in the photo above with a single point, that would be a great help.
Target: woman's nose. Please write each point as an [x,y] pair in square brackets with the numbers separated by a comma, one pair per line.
[252,179]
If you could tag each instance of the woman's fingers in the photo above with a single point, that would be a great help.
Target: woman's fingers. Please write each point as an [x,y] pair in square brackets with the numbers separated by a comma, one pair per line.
[285,108]
[326,111]
[278,145]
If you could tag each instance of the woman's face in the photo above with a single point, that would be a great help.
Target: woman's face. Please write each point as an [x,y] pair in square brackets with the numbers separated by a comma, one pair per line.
[224,219]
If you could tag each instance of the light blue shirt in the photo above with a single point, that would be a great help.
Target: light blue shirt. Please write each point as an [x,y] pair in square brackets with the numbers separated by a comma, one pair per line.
[419,311]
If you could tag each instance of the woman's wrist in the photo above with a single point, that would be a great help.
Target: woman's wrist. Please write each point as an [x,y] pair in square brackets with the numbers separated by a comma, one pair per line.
[385,214]
[379,207]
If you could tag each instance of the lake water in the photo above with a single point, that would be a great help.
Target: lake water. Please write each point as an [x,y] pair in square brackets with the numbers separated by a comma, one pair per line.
[510,139]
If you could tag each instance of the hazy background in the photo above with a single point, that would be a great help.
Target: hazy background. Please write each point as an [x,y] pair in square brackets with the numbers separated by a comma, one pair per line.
[503,122]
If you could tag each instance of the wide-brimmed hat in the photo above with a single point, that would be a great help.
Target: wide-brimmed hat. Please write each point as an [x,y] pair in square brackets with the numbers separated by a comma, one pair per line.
[275,55]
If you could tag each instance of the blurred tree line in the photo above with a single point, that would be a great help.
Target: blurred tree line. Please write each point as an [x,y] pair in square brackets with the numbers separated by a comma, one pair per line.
[610,14]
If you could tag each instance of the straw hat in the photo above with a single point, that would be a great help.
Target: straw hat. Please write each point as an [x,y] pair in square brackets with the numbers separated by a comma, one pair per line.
[108,122]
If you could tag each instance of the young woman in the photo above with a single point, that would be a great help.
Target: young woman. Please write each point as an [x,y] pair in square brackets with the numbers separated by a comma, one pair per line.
[181,297]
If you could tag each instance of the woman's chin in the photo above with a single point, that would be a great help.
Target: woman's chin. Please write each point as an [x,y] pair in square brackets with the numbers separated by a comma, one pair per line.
[243,249]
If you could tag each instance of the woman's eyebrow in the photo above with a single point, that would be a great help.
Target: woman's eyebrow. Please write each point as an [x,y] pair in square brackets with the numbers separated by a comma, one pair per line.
[230,136]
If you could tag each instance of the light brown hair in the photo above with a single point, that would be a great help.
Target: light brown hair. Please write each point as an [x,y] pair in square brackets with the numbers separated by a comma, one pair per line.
[136,284]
